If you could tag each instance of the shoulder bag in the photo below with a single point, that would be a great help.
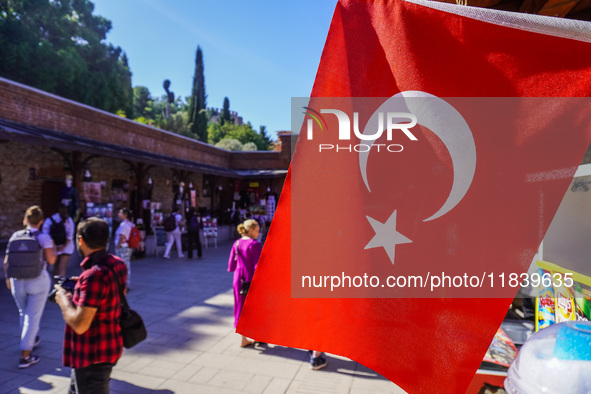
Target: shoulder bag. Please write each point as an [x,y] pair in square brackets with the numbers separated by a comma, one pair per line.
[132,326]
[244,285]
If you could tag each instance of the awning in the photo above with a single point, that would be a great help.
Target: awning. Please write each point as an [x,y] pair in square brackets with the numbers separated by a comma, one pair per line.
[260,173]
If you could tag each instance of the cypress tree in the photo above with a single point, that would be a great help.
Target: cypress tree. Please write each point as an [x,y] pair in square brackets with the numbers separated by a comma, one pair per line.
[197,115]
[127,88]
[226,116]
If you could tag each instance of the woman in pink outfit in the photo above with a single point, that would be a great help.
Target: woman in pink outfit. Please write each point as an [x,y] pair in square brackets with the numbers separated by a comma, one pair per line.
[243,261]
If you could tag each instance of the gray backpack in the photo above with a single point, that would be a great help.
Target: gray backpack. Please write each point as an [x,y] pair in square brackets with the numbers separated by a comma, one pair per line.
[24,255]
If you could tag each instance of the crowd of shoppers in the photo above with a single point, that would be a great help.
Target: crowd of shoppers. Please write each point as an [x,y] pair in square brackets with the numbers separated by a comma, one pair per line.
[91,307]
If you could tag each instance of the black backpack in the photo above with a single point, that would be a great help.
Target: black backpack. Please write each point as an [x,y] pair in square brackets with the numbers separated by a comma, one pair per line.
[169,223]
[57,231]
[23,255]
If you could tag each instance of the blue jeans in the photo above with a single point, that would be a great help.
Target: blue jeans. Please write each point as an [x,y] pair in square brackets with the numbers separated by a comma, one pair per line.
[30,296]
[93,379]
[125,254]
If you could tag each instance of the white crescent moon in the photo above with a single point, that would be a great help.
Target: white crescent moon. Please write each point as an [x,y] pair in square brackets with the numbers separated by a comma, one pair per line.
[448,124]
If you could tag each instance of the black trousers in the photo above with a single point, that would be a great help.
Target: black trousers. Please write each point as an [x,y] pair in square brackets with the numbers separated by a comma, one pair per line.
[194,242]
[93,379]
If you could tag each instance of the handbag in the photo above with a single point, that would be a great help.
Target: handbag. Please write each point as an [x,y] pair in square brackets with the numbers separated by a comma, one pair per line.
[244,285]
[133,329]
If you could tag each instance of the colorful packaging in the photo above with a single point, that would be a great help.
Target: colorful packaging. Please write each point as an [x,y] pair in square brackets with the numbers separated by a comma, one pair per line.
[583,300]
[565,300]
[545,303]
[502,350]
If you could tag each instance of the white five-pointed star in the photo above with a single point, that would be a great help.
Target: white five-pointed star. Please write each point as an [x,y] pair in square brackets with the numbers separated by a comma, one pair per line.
[386,235]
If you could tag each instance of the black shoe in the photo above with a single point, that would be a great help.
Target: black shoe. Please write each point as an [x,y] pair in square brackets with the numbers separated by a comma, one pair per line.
[318,363]
[27,362]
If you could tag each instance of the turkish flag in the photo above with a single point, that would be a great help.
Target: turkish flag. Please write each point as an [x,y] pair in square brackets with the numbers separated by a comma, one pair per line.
[477,204]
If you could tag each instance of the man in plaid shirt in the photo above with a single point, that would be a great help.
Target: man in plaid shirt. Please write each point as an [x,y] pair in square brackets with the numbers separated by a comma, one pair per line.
[93,341]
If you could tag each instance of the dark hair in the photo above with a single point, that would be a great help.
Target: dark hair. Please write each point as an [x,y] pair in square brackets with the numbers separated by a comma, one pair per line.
[126,212]
[94,232]
[62,209]
[34,215]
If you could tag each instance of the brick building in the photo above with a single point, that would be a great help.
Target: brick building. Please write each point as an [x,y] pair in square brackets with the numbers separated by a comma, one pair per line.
[44,137]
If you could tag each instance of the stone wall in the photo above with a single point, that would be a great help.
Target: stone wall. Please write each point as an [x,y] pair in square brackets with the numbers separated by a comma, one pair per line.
[18,192]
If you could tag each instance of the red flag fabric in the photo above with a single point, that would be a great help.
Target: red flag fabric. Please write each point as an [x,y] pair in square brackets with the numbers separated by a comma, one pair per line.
[381,49]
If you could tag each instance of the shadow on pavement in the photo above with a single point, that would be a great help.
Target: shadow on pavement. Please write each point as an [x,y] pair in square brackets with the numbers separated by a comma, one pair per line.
[121,387]
[336,364]
[187,306]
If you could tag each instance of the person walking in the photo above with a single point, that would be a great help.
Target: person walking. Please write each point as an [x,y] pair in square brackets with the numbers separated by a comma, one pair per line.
[29,289]
[193,227]
[174,235]
[244,257]
[122,248]
[93,341]
[60,228]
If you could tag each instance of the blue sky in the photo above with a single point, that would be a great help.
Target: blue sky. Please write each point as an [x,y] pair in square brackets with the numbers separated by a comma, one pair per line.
[259,54]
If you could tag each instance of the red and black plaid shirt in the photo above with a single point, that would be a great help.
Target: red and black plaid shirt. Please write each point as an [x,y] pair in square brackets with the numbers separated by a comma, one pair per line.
[97,287]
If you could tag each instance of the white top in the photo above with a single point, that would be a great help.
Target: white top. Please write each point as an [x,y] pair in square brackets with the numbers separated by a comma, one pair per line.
[70,227]
[44,239]
[178,218]
[123,229]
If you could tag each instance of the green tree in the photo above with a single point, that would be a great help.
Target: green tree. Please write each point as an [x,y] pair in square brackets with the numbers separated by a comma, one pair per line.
[230,144]
[152,111]
[244,133]
[266,142]
[141,102]
[197,111]
[126,97]
[68,41]
[249,146]
[215,133]
[179,124]
[226,116]
[179,118]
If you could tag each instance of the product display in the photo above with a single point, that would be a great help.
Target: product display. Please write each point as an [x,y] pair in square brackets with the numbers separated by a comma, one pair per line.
[545,305]
[563,295]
